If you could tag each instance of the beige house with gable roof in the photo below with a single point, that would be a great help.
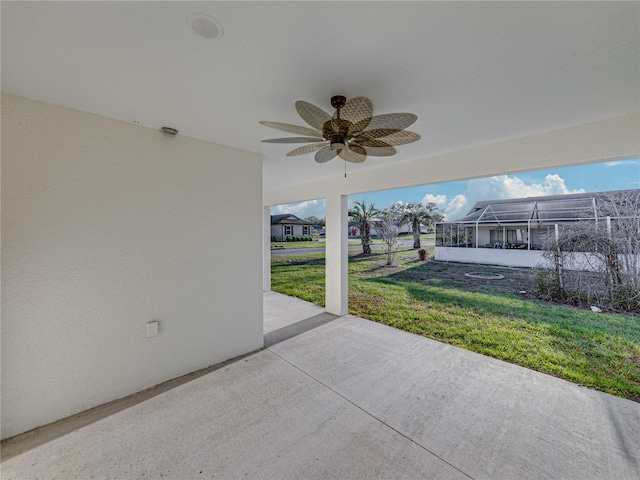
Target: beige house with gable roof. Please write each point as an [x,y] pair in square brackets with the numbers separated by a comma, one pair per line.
[286,226]
[512,232]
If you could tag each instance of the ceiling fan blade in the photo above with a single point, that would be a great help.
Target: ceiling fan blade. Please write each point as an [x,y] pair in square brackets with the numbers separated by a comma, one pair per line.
[401,138]
[374,134]
[381,151]
[311,114]
[370,142]
[294,140]
[307,149]
[326,154]
[286,127]
[395,121]
[353,154]
[357,110]
[388,136]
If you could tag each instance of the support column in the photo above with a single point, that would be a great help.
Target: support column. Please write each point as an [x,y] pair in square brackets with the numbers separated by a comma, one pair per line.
[336,270]
[266,249]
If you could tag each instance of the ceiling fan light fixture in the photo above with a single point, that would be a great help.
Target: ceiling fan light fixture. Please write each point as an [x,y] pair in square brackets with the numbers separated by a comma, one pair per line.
[205,26]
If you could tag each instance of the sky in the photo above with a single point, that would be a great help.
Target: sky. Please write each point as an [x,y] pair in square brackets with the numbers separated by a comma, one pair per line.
[455,199]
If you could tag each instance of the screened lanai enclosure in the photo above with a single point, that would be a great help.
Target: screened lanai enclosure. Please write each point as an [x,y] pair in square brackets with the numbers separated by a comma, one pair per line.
[524,225]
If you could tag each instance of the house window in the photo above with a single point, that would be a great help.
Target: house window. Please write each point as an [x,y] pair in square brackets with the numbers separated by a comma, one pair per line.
[288,230]
[305,229]
[516,236]
[496,237]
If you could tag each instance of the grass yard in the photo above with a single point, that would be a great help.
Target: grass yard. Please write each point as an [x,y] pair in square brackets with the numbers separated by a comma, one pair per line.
[312,244]
[491,317]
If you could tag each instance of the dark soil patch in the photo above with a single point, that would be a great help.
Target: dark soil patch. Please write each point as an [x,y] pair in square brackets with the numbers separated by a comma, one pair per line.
[515,281]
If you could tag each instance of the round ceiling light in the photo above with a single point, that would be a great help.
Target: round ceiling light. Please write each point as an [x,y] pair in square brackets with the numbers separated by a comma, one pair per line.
[204,26]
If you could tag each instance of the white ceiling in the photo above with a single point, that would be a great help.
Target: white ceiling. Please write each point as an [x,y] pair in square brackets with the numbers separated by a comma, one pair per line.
[473,72]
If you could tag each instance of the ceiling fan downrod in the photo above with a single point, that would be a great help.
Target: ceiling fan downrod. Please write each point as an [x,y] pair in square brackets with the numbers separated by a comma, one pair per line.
[338,140]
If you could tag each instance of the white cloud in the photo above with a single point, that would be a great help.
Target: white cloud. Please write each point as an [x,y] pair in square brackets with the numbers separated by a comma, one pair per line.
[622,162]
[302,209]
[456,208]
[500,187]
[439,200]
[504,186]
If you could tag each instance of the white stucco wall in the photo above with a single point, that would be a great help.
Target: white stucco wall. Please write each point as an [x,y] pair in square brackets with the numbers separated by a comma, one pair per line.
[492,256]
[484,237]
[107,226]
[524,258]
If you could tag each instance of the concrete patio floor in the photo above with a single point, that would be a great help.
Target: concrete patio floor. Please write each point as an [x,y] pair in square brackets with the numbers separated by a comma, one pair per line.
[343,398]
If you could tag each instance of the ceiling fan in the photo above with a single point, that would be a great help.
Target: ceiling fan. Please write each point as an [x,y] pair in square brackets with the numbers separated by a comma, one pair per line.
[352,133]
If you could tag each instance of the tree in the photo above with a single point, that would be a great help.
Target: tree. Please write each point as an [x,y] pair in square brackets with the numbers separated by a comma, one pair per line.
[398,211]
[387,228]
[434,215]
[315,220]
[417,214]
[362,215]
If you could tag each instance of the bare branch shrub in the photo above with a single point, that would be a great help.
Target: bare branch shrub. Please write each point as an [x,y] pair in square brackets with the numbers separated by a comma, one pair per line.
[597,260]
[387,229]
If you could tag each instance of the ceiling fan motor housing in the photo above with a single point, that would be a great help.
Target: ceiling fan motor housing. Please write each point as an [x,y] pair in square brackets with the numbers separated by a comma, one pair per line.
[337,132]
[338,141]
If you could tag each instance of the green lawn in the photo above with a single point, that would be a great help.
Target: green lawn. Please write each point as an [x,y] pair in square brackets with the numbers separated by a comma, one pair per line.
[598,350]
[313,244]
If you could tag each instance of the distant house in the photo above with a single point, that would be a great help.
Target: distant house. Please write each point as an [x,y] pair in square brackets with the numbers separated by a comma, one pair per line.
[285,227]
[511,232]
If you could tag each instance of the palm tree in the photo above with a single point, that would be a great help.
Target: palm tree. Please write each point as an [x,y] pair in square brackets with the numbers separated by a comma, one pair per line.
[419,213]
[434,215]
[362,215]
